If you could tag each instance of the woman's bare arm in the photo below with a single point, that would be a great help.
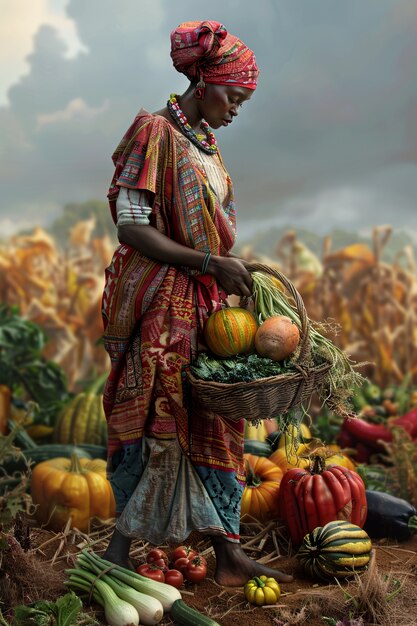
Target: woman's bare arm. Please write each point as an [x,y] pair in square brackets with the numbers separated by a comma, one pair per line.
[230,272]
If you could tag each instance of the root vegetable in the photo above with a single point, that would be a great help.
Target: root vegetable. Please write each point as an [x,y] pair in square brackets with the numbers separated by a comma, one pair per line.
[277,337]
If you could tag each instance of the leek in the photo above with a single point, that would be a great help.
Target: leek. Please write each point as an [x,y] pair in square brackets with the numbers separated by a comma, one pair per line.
[149,608]
[166,594]
[118,612]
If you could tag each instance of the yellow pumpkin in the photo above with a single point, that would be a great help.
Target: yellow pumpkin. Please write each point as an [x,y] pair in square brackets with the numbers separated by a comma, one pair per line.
[260,495]
[288,460]
[332,456]
[293,437]
[305,454]
[75,489]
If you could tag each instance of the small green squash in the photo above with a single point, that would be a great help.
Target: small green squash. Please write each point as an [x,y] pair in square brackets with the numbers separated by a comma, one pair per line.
[185,615]
[231,331]
[337,550]
[258,448]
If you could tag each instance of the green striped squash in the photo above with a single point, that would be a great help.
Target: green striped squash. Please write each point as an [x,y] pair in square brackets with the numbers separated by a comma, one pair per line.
[82,421]
[231,331]
[337,550]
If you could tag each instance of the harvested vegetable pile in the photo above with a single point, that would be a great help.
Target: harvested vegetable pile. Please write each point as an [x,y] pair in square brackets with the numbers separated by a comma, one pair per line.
[301,601]
[284,343]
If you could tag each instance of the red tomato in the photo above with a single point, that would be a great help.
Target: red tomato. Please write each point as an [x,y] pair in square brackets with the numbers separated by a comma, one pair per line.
[175,578]
[183,551]
[155,554]
[181,563]
[161,563]
[151,571]
[195,570]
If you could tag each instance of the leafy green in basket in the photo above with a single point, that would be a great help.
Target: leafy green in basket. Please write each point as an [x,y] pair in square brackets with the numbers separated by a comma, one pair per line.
[245,368]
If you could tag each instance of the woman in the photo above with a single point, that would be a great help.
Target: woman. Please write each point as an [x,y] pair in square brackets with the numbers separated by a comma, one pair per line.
[176,469]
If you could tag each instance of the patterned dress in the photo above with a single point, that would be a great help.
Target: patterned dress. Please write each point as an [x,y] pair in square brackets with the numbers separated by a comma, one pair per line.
[174,467]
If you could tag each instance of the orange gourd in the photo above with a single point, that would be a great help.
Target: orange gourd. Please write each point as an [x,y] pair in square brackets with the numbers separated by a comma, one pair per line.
[75,489]
[231,331]
[260,495]
[277,337]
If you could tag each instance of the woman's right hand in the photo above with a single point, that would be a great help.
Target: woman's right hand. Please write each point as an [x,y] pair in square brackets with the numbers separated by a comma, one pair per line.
[231,274]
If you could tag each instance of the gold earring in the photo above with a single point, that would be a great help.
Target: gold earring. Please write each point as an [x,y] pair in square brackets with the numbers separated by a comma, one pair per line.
[199,90]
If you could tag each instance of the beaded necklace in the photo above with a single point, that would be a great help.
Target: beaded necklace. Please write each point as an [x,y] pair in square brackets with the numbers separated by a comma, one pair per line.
[208,144]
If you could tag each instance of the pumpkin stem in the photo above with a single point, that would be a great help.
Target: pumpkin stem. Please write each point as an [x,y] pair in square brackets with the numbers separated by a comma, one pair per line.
[319,465]
[75,466]
[259,582]
[252,479]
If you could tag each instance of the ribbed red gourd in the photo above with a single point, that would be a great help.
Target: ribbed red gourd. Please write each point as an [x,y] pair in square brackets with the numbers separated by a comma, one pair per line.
[309,498]
[231,331]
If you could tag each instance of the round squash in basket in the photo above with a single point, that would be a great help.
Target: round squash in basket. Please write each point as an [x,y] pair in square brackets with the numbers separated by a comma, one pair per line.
[231,331]
[277,337]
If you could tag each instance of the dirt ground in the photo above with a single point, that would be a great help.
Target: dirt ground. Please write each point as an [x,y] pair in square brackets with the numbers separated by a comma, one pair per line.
[303,601]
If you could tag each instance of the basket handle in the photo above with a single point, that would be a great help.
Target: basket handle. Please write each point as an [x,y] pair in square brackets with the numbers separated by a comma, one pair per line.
[305,344]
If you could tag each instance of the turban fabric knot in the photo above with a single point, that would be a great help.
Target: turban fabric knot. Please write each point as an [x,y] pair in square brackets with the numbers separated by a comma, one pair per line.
[206,50]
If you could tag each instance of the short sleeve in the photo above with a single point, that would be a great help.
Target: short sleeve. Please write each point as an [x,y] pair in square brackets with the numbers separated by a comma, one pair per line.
[143,160]
[142,166]
[133,207]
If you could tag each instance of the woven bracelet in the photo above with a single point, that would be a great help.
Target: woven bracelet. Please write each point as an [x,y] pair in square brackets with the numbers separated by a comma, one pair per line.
[206,261]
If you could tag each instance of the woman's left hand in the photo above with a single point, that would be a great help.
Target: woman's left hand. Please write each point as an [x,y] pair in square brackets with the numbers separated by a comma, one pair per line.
[231,274]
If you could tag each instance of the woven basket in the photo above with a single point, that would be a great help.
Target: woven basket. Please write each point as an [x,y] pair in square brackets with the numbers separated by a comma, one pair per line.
[264,397]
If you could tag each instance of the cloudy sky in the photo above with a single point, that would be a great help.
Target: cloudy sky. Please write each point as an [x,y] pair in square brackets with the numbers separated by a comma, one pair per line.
[329,139]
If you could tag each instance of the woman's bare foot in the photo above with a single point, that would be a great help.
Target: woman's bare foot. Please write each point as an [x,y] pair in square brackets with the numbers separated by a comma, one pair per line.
[117,551]
[234,568]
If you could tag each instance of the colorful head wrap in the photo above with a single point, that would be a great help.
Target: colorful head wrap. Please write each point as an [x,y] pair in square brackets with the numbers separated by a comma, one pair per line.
[205,50]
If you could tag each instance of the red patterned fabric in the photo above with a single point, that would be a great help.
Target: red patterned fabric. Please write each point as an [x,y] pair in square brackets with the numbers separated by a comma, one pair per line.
[207,50]
[154,313]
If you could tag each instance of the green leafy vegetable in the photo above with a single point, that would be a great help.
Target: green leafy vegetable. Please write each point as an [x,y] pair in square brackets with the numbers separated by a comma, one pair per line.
[236,369]
[24,369]
[63,612]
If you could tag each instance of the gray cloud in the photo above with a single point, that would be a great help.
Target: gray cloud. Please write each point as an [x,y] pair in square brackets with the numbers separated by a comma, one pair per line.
[327,140]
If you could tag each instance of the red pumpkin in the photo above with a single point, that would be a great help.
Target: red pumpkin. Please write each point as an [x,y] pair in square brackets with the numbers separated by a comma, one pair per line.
[310,498]
[231,331]
[260,495]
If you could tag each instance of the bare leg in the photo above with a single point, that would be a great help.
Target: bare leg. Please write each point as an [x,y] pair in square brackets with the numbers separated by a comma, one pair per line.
[118,550]
[234,568]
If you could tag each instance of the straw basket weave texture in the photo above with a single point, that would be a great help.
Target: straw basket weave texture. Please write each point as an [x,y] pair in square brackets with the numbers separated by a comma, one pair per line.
[265,397]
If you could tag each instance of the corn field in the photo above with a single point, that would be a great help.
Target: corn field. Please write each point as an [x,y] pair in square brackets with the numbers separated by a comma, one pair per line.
[371,304]
[60,290]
